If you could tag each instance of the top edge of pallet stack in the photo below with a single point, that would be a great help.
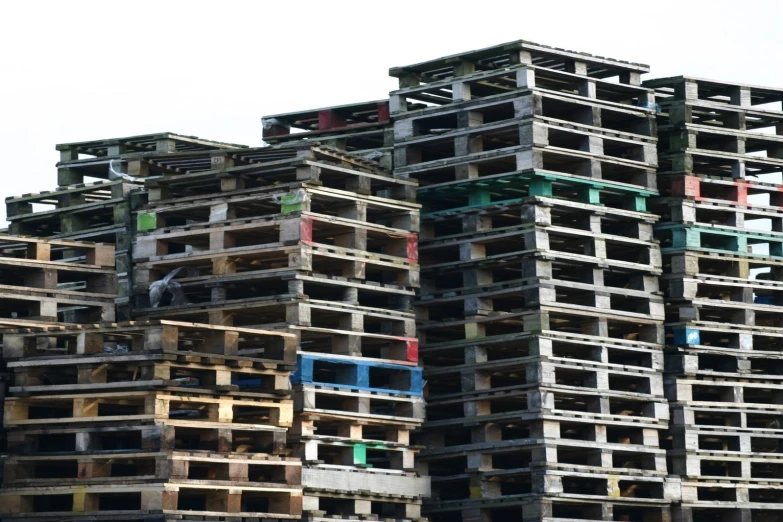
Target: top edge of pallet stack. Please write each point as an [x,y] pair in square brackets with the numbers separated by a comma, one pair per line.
[313,112]
[204,158]
[310,123]
[500,55]
[160,142]
[654,83]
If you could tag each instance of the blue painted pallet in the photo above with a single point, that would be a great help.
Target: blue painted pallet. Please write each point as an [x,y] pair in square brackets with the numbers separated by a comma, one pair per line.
[357,375]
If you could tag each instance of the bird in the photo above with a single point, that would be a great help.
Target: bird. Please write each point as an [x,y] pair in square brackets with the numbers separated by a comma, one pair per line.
[374,155]
[158,288]
[114,175]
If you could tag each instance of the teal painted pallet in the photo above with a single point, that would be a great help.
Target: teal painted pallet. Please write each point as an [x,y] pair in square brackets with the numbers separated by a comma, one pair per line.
[507,189]
[704,238]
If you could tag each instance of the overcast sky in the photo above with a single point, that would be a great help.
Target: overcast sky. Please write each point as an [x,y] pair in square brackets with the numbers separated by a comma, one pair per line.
[85,70]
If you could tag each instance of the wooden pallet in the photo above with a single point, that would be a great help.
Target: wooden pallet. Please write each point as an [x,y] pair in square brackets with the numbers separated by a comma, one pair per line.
[317,259]
[330,450]
[278,293]
[589,164]
[718,239]
[620,354]
[317,122]
[542,318]
[193,497]
[137,406]
[267,202]
[700,392]
[100,210]
[554,508]
[712,511]
[678,210]
[727,466]
[719,164]
[149,436]
[580,245]
[755,417]
[73,167]
[243,347]
[359,127]
[139,467]
[743,193]
[265,166]
[533,401]
[724,363]
[353,405]
[727,338]
[739,493]
[491,195]
[590,456]
[473,376]
[309,228]
[357,374]
[319,504]
[511,295]
[110,372]
[414,144]
[723,267]
[728,441]
[601,112]
[558,63]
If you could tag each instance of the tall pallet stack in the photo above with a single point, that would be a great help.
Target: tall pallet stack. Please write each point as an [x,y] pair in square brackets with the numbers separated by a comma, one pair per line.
[721,158]
[541,320]
[314,241]
[360,128]
[155,421]
[92,204]
[46,282]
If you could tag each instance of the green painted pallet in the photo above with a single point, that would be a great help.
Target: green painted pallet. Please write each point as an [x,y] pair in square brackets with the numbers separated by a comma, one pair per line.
[510,188]
[717,240]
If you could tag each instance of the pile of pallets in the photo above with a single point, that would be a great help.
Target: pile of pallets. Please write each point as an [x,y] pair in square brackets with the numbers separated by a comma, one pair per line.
[587,264]
[306,239]
[721,234]
[149,420]
[92,203]
[540,317]
[49,280]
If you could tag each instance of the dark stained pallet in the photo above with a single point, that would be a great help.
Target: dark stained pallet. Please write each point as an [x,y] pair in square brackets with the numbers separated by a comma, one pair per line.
[320,259]
[588,164]
[149,436]
[522,130]
[116,373]
[140,467]
[186,341]
[265,166]
[266,202]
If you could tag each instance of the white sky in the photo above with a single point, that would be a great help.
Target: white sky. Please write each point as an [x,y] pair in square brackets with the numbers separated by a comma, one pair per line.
[85,70]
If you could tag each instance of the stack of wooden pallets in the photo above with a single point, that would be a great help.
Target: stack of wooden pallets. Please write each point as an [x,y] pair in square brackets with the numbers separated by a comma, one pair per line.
[49,280]
[154,421]
[306,239]
[91,203]
[540,316]
[721,232]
